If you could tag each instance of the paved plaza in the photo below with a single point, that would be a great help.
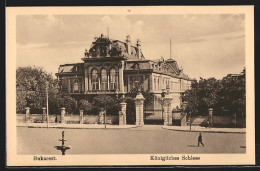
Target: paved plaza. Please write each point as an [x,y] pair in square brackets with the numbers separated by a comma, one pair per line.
[149,139]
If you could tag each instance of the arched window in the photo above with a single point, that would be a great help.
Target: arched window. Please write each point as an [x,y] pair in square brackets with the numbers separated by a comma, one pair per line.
[112,79]
[103,79]
[94,75]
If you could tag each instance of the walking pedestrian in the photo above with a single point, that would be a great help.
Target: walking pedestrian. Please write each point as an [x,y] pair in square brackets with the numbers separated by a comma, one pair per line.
[56,119]
[200,140]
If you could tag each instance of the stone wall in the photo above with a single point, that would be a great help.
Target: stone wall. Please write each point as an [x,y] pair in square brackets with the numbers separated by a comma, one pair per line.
[87,119]
[217,120]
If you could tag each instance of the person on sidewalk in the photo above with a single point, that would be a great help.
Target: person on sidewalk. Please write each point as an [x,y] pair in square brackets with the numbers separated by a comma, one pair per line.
[56,119]
[200,140]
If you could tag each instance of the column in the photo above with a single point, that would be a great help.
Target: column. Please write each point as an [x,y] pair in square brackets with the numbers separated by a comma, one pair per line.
[62,115]
[152,83]
[86,80]
[149,83]
[167,110]
[122,114]
[128,83]
[108,81]
[81,116]
[139,105]
[44,114]
[170,114]
[117,81]
[89,82]
[27,114]
[121,77]
[99,78]
[144,83]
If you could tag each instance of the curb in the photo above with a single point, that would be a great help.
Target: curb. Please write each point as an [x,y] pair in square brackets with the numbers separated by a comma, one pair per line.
[203,131]
[64,127]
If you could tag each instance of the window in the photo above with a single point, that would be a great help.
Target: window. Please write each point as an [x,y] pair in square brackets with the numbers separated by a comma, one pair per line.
[154,83]
[112,79]
[131,83]
[80,85]
[95,79]
[76,86]
[158,84]
[103,79]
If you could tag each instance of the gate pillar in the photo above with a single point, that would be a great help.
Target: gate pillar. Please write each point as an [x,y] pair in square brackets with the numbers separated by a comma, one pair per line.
[139,108]
[167,108]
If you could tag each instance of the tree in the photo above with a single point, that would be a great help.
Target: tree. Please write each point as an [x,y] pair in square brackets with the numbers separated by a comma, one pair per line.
[31,85]
[233,94]
[107,103]
[67,102]
[202,96]
[85,105]
[227,93]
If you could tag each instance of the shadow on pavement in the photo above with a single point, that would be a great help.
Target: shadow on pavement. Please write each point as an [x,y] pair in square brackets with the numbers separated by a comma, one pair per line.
[193,146]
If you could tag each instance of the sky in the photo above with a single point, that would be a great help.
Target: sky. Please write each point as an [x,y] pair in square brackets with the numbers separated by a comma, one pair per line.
[204,45]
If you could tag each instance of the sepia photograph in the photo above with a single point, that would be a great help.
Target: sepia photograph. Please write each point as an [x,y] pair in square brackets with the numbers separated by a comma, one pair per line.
[130,85]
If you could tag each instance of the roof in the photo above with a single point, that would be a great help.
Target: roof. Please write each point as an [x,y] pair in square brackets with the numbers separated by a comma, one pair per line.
[112,47]
[137,65]
[69,67]
[65,68]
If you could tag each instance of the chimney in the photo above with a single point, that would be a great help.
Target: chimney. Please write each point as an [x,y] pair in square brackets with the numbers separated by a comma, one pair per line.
[138,45]
[128,41]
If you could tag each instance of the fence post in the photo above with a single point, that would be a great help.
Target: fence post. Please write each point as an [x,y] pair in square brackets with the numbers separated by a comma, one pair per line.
[81,116]
[27,114]
[122,114]
[210,117]
[44,114]
[62,114]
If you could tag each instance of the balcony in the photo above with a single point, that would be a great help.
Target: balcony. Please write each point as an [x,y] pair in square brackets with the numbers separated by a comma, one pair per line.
[101,92]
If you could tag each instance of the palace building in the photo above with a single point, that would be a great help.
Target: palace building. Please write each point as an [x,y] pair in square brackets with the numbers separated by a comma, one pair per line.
[115,67]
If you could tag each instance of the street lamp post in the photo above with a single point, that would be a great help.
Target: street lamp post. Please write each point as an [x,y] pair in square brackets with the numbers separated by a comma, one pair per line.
[190,120]
[47,104]
[105,119]
[162,102]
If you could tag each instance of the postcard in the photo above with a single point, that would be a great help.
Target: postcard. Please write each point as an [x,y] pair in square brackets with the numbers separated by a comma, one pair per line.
[130,85]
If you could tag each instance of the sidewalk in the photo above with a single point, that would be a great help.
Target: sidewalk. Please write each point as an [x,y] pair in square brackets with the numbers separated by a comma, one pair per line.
[75,126]
[99,126]
[203,129]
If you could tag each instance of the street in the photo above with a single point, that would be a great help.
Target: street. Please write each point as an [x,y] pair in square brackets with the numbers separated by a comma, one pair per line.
[149,139]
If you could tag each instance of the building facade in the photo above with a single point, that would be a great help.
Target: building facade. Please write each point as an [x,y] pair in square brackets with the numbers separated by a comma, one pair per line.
[115,67]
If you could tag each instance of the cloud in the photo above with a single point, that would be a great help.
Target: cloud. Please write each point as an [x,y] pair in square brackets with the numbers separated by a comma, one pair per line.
[205,45]
[221,36]
[32,46]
